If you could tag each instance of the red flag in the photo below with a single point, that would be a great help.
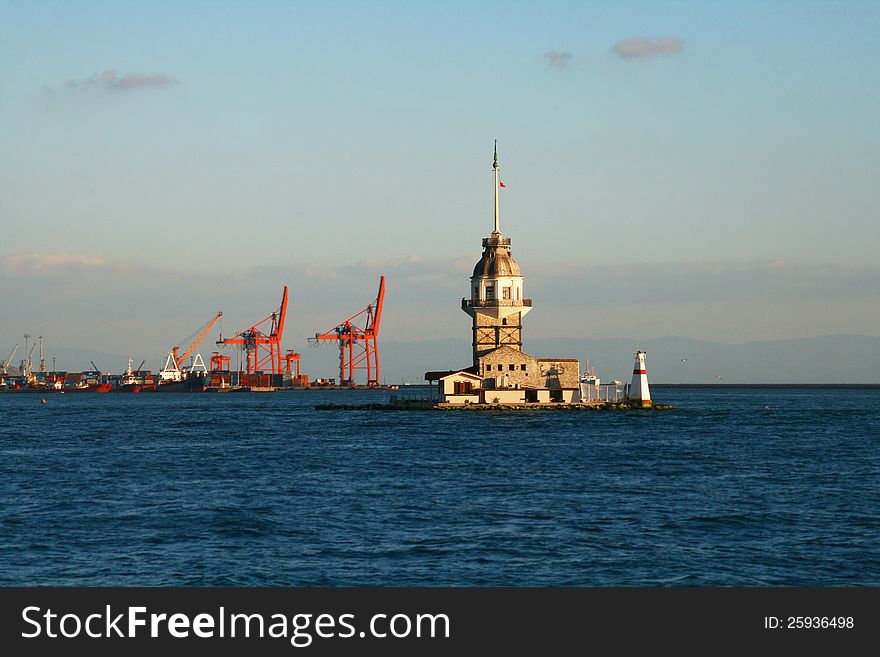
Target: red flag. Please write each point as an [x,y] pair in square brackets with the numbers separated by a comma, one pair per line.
[501,184]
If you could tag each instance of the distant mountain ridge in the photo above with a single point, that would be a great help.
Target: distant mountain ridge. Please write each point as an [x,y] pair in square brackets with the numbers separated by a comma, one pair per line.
[824,359]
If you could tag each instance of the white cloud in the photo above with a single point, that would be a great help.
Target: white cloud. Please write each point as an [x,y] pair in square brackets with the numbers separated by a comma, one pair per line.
[41,263]
[109,80]
[641,48]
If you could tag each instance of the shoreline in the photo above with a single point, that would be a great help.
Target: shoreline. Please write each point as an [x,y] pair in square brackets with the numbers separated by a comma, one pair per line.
[431,406]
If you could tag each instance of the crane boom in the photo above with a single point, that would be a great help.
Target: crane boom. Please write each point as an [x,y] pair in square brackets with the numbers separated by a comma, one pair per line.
[282,314]
[26,366]
[262,341]
[201,336]
[380,300]
[5,364]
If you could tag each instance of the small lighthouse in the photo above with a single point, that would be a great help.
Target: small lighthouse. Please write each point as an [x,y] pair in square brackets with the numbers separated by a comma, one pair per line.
[638,390]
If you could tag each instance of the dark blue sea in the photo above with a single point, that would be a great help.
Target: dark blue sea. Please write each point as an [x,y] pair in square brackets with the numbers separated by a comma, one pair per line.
[738,486]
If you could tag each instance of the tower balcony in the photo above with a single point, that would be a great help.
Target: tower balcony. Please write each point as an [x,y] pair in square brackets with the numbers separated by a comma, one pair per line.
[496,308]
[495,303]
[496,240]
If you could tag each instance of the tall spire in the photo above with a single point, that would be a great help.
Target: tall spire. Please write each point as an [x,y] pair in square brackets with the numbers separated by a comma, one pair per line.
[495,169]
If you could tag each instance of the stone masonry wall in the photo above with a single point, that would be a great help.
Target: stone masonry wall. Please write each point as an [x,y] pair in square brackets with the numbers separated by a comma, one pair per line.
[511,367]
[560,373]
[490,333]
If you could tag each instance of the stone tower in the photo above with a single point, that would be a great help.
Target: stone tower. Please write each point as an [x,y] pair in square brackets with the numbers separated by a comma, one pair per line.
[497,303]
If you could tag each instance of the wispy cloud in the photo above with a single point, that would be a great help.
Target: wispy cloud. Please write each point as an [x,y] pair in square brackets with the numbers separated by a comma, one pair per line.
[771,282]
[642,48]
[141,310]
[557,59]
[91,288]
[110,80]
[42,263]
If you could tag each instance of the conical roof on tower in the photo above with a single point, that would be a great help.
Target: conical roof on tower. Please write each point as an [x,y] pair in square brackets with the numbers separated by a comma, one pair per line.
[497,261]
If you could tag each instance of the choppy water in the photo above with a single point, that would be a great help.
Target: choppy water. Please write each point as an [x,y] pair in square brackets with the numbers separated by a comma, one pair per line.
[735,487]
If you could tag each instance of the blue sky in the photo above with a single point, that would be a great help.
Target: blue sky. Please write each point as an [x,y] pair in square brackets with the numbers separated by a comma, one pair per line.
[209,138]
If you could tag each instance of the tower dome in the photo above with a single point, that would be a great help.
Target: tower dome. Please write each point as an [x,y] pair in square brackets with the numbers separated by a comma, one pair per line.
[497,261]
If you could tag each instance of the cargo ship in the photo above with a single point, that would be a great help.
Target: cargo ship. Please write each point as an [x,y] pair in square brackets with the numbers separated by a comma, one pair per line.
[192,383]
[83,386]
[135,381]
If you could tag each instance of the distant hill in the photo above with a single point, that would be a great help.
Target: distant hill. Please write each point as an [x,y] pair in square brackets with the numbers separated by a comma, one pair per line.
[825,359]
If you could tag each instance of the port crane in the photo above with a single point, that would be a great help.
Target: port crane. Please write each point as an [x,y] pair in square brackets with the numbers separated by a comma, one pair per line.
[26,367]
[358,346]
[262,341]
[290,358]
[219,362]
[172,370]
[4,366]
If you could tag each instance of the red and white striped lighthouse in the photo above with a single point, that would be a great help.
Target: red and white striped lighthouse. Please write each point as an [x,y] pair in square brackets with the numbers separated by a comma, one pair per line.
[638,390]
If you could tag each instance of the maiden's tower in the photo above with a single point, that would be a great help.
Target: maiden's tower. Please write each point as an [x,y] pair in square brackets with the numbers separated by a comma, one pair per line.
[501,372]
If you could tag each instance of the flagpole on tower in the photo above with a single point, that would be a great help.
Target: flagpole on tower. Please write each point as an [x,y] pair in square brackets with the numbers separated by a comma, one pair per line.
[495,168]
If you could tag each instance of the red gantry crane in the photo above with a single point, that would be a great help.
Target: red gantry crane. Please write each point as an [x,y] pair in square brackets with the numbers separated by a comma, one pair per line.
[290,358]
[358,347]
[219,362]
[262,341]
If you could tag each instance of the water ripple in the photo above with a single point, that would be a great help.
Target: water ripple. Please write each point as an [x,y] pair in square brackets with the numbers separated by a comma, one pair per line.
[736,487]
